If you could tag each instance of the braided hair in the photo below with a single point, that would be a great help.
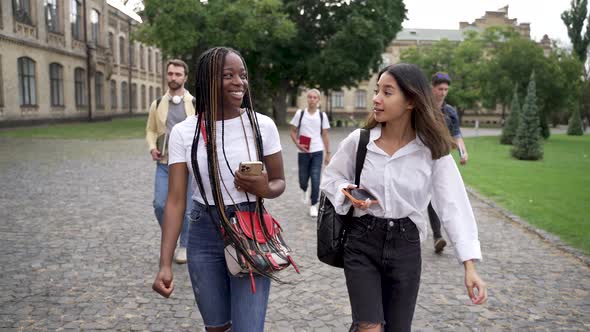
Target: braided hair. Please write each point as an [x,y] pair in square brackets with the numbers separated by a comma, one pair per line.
[209,104]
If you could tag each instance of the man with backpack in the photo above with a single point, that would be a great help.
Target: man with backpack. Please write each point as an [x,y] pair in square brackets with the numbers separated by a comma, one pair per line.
[309,132]
[164,113]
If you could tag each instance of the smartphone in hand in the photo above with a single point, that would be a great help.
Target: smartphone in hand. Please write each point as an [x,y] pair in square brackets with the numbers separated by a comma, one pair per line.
[251,167]
[359,195]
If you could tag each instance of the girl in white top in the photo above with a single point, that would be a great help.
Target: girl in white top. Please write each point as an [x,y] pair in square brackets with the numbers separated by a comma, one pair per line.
[407,165]
[226,131]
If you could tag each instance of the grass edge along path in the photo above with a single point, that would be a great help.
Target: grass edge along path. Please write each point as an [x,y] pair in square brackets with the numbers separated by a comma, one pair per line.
[552,194]
[118,128]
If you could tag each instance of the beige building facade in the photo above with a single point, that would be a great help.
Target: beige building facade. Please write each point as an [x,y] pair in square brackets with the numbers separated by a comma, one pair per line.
[352,106]
[73,59]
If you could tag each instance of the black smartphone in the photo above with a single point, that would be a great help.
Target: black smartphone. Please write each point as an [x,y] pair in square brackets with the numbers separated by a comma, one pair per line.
[362,194]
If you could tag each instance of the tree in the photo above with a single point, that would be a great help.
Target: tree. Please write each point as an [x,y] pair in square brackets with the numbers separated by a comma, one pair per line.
[338,43]
[574,21]
[527,142]
[511,124]
[463,61]
[320,43]
[574,127]
[186,28]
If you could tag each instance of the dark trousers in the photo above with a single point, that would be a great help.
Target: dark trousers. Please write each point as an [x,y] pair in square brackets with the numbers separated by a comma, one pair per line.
[310,166]
[434,222]
[382,265]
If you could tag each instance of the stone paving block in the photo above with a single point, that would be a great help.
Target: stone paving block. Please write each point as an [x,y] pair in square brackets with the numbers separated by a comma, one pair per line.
[80,250]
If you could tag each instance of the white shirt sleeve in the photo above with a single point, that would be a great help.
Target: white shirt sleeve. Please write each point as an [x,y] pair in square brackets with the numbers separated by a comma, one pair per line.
[451,203]
[326,123]
[270,136]
[295,119]
[340,173]
[176,148]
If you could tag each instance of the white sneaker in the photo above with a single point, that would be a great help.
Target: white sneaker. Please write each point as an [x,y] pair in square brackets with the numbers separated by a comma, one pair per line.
[304,197]
[313,211]
[180,256]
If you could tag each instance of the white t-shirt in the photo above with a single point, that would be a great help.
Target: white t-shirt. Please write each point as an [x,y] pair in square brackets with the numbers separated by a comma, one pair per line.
[181,140]
[310,127]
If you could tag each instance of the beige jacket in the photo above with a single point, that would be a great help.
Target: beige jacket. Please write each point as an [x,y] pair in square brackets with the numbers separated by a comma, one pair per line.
[156,123]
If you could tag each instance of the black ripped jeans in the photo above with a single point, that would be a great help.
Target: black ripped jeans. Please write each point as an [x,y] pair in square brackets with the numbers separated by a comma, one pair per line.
[382,265]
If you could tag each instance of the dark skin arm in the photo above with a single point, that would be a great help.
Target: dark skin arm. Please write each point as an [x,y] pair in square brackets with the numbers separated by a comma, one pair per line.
[269,184]
[173,218]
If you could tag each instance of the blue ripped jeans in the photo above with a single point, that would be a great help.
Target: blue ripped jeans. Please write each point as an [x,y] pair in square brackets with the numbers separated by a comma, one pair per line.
[221,297]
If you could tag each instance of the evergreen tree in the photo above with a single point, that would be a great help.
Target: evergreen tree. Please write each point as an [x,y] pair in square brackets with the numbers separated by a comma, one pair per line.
[574,127]
[527,142]
[511,125]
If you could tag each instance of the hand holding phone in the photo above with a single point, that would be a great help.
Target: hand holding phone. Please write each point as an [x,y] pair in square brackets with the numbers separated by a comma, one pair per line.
[251,167]
[359,196]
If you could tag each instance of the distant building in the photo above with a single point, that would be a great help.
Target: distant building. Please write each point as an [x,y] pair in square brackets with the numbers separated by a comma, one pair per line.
[53,66]
[353,105]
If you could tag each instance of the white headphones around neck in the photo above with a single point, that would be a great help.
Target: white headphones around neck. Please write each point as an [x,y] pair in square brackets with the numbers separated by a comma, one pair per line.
[176,99]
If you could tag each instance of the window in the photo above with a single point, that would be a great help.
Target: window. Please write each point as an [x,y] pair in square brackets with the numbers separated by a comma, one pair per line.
[158,67]
[56,84]
[27,82]
[150,60]
[99,89]
[151,94]
[124,95]
[80,86]
[338,99]
[52,15]
[121,50]
[76,19]
[158,92]
[113,95]
[143,97]
[134,96]
[141,60]
[360,100]
[1,81]
[132,55]
[22,11]
[111,42]
[95,26]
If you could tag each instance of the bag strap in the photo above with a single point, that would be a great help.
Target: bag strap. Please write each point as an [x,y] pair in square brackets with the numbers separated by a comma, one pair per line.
[361,153]
[302,111]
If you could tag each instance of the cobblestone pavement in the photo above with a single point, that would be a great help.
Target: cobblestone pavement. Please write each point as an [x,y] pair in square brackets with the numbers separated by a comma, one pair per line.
[79,251]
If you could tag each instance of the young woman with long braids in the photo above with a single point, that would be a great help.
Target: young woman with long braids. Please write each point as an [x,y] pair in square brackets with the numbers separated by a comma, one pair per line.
[210,146]
[407,165]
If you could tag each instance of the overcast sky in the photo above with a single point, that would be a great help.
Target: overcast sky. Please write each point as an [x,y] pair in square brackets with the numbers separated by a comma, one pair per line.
[543,15]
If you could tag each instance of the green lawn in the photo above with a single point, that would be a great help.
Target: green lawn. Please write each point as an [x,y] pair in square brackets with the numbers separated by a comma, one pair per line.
[120,128]
[552,194]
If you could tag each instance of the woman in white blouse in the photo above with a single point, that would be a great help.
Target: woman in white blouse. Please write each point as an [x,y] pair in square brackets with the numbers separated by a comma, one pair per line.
[407,165]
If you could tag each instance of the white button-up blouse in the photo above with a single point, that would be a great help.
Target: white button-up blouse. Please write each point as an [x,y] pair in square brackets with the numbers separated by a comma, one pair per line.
[404,184]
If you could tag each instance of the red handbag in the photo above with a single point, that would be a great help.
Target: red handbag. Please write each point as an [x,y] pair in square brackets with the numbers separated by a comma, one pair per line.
[264,242]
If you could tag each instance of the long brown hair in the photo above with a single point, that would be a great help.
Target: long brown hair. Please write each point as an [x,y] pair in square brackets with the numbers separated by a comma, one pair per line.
[427,119]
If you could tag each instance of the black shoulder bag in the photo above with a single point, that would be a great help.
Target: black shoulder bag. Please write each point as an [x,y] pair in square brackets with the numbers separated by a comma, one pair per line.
[332,227]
